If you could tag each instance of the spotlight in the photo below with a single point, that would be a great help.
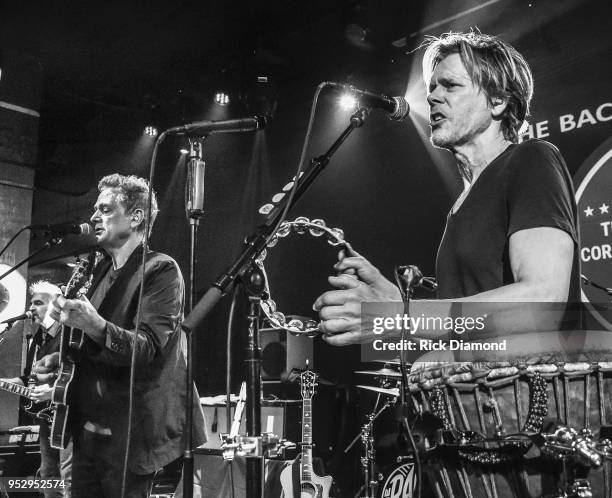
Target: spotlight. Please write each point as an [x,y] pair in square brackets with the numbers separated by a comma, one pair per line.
[222,98]
[348,101]
[151,131]
[184,150]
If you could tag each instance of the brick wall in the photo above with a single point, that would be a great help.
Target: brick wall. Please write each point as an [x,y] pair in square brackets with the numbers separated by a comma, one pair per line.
[19,104]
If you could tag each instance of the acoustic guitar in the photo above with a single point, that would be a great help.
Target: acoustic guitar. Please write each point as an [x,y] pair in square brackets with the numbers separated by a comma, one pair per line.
[311,485]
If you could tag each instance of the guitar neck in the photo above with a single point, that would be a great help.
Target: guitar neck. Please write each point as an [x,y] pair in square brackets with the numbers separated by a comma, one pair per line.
[306,470]
[15,388]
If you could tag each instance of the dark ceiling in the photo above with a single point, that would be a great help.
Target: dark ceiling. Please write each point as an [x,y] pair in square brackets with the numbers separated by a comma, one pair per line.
[158,57]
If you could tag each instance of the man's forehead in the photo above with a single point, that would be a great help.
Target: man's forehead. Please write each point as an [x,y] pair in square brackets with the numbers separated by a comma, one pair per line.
[451,65]
[108,196]
[39,296]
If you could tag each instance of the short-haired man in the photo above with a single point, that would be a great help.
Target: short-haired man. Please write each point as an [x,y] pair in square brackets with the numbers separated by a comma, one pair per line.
[45,340]
[108,319]
[512,234]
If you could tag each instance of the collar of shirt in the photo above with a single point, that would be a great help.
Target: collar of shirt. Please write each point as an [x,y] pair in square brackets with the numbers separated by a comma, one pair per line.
[53,329]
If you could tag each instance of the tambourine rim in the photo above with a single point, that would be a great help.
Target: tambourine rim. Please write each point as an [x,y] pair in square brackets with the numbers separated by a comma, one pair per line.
[306,223]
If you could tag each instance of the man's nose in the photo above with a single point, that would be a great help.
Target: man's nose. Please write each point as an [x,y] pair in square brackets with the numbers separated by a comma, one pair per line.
[435,96]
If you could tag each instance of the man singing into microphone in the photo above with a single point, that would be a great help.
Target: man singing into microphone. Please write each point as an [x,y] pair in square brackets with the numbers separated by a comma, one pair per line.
[45,340]
[512,234]
[107,316]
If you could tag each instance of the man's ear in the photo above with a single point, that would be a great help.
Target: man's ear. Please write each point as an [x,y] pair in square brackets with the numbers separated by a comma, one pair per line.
[137,217]
[498,106]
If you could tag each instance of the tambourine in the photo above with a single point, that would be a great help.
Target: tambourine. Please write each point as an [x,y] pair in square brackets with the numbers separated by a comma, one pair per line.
[301,226]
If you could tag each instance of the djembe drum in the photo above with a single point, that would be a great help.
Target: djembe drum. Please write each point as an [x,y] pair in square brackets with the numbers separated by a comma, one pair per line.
[525,427]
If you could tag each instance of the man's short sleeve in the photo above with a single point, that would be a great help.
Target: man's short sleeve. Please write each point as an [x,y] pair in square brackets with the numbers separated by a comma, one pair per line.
[540,192]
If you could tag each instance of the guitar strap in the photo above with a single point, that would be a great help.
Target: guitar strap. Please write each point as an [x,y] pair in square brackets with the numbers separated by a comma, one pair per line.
[296,477]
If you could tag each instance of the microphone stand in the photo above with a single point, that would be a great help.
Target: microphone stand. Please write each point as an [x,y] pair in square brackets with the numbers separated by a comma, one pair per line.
[407,279]
[255,284]
[194,209]
[55,241]
[255,244]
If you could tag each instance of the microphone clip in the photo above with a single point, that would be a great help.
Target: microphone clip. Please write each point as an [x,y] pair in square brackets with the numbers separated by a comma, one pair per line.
[409,278]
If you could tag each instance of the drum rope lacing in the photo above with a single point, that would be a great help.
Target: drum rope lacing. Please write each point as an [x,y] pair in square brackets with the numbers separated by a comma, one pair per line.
[538,409]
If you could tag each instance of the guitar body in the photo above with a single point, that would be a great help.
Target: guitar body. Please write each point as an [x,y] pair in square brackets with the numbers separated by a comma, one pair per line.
[71,340]
[59,437]
[316,487]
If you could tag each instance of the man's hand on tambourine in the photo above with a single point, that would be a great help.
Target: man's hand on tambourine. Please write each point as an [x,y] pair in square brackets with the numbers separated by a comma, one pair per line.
[350,262]
[358,281]
[45,369]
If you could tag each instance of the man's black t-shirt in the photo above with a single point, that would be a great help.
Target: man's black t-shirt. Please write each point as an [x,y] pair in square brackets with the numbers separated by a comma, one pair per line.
[526,186]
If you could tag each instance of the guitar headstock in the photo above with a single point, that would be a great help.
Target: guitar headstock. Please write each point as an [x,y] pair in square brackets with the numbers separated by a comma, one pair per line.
[80,280]
[308,382]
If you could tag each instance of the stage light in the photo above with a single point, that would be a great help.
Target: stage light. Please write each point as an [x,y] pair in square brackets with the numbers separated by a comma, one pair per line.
[183,150]
[222,98]
[348,101]
[151,131]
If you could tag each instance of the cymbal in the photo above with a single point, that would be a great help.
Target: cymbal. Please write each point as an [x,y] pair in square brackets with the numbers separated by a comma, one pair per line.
[389,392]
[382,372]
[394,361]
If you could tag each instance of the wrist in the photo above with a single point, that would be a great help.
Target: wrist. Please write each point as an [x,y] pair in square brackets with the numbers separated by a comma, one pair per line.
[99,329]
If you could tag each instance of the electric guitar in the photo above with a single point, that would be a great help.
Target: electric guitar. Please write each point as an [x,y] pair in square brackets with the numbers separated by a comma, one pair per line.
[311,485]
[71,339]
[40,410]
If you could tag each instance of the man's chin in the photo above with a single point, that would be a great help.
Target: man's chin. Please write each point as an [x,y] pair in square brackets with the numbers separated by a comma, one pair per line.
[439,141]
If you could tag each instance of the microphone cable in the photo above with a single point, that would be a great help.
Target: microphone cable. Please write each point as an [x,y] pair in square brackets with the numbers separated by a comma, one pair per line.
[300,167]
[145,245]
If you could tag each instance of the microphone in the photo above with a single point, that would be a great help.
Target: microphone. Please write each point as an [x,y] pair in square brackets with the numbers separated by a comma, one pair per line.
[63,228]
[222,126]
[27,314]
[194,187]
[396,107]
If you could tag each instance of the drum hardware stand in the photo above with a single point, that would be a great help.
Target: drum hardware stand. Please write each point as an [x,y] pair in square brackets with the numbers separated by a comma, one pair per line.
[370,476]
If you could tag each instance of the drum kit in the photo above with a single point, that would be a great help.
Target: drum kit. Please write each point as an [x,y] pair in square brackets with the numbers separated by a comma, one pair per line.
[532,426]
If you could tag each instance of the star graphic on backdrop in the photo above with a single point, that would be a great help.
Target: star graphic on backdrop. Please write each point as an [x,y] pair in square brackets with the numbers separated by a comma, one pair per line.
[603,208]
[588,211]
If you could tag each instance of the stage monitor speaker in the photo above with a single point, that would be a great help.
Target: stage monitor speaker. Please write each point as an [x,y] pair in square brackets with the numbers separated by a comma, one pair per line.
[214,479]
[282,351]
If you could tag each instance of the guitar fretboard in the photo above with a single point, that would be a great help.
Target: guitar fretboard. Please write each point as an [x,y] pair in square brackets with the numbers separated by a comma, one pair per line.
[307,439]
[15,388]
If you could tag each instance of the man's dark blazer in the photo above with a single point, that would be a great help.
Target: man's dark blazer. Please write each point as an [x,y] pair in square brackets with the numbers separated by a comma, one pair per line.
[102,378]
